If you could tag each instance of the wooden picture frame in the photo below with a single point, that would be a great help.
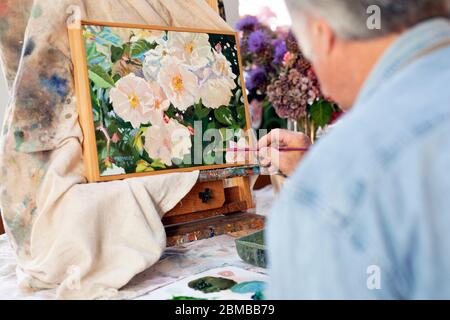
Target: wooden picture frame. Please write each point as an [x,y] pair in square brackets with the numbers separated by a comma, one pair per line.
[84,98]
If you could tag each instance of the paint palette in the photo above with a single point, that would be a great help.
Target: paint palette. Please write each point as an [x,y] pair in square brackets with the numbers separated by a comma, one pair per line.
[252,249]
[244,285]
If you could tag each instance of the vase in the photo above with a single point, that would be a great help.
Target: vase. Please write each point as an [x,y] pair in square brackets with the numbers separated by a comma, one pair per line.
[292,125]
[303,125]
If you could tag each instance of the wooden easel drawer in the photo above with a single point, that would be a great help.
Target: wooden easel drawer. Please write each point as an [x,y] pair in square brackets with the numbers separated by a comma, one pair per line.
[204,196]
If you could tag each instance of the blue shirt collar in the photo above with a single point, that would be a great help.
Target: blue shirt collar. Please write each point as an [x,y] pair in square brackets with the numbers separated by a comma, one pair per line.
[421,37]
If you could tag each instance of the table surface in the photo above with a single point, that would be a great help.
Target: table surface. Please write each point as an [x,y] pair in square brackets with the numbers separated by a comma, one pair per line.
[176,264]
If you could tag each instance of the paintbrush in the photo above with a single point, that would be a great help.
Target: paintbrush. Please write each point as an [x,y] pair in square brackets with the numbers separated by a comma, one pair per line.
[280,149]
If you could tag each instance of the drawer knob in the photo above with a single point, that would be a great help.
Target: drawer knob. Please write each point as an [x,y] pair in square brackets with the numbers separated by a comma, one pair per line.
[205,195]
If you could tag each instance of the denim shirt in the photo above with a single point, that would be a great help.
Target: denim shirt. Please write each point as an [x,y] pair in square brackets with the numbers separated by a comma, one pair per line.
[367,213]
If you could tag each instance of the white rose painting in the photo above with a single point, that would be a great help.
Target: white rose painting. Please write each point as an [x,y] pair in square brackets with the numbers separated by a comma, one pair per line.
[150,87]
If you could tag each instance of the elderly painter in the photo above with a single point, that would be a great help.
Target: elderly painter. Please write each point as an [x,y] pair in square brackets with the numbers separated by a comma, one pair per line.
[366,214]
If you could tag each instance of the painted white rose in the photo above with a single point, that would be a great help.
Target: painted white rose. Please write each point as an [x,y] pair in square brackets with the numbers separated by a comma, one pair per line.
[222,69]
[154,59]
[132,100]
[215,93]
[193,49]
[148,35]
[179,84]
[160,101]
[167,139]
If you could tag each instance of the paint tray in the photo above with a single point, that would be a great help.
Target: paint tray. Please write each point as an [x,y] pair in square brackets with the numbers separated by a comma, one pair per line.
[252,249]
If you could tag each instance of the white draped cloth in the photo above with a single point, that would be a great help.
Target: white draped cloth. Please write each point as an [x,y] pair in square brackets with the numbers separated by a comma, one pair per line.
[86,240]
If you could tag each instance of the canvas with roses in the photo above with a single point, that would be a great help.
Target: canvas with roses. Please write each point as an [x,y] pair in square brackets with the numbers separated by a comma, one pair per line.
[154,93]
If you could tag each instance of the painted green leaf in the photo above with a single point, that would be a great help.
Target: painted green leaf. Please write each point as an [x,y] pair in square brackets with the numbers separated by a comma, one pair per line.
[91,50]
[242,116]
[116,53]
[96,58]
[224,116]
[143,166]
[96,114]
[158,164]
[140,47]
[321,113]
[116,77]
[210,125]
[201,112]
[138,144]
[238,96]
[100,77]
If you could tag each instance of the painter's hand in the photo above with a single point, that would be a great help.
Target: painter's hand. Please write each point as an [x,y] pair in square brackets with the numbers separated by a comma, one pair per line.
[282,162]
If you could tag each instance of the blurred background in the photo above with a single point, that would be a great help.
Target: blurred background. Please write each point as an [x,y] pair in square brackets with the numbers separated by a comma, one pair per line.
[274,12]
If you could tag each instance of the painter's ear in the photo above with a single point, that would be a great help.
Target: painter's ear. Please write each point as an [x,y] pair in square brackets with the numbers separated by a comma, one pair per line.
[323,36]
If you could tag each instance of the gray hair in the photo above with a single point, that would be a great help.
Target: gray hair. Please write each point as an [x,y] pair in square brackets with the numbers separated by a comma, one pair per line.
[348,18]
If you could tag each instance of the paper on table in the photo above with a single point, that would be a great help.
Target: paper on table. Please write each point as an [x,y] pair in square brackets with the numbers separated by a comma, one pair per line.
[180,288]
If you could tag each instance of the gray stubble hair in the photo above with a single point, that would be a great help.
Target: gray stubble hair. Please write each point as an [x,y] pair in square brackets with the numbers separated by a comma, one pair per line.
[348,18]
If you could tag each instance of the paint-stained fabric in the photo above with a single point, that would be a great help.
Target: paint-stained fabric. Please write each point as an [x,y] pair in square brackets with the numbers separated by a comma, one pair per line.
[62,229]
[367,214]
[13,21]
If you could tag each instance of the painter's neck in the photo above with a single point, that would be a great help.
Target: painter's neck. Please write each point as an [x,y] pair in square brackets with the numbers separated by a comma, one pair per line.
[365,57]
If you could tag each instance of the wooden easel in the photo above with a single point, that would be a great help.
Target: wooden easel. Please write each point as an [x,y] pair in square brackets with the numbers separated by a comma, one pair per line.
[212,207]
[214,4]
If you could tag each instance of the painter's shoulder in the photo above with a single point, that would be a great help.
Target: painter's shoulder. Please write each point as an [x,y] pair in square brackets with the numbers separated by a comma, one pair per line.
[336,168]
[346,143]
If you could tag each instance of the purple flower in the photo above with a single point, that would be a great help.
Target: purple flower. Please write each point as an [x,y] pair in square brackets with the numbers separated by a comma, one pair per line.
[256,78]
[280,51]
[257,41]
[248,23]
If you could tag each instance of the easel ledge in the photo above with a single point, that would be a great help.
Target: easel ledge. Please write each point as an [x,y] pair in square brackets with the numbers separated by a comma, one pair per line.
[224,210]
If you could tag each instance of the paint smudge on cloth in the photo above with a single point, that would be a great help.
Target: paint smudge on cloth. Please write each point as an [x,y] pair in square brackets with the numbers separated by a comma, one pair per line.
[13,21]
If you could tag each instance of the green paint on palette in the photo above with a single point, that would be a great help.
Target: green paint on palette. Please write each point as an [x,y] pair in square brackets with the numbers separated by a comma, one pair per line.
[36,12]
[179,298]
[211,284]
